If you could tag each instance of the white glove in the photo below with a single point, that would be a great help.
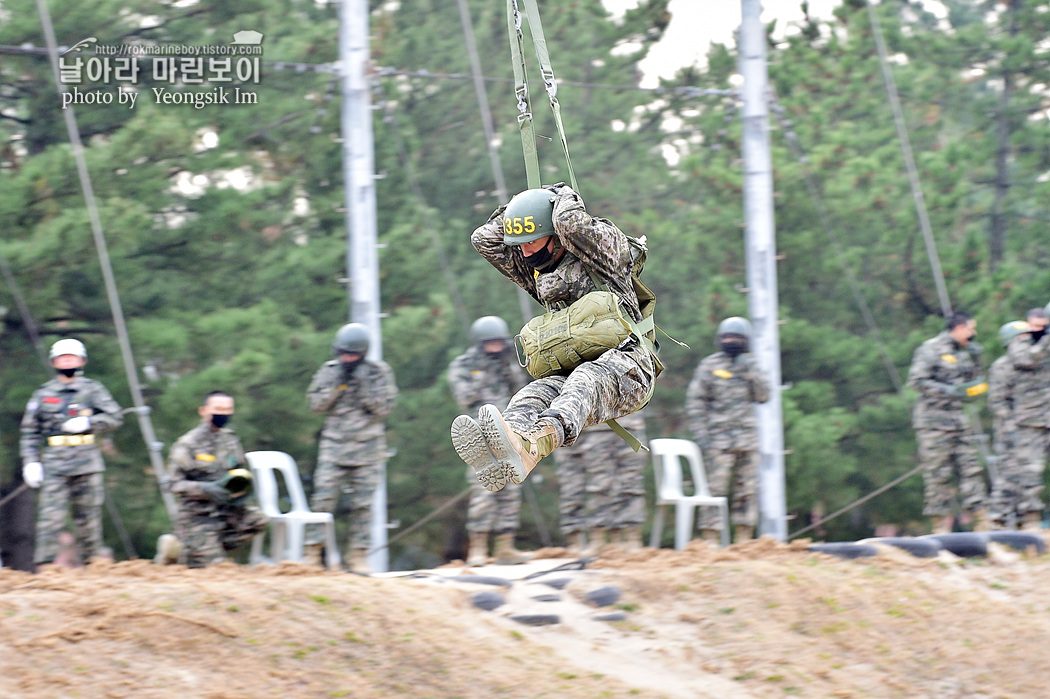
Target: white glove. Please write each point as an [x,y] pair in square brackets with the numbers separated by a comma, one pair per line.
[77,425]
[33,474]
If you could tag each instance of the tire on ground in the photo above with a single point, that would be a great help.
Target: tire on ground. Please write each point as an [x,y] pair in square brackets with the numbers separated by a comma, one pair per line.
[1021,541]
[922,548]
[965,544]
[845,549]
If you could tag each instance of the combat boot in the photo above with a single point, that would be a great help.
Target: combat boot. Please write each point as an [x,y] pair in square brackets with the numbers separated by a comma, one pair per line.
[478,555]
[743,532]
[711,536]
[312,555]
[168,548]
[596,540]
[982,522]
[505,553]
[577,542]
[518,453]
[359,561]
[469,442]
[1032,522]
[631,537]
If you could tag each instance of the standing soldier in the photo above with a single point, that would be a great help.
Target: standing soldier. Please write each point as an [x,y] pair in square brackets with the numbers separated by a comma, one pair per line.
[601,488]
[946,373]
[59,452]
[488,373]
[1001,397]
[356,395]
[720,405]
[545,241]
[1030,356]
[211,483]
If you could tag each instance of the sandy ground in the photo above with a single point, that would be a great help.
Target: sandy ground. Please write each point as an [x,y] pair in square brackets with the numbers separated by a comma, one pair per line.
[759,619]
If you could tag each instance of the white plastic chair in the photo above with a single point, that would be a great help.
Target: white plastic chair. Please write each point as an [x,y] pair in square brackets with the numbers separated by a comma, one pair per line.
[287,529]
[668,470]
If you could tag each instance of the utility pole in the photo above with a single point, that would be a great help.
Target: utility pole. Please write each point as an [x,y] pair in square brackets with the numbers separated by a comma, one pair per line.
[762,265]
[362,263]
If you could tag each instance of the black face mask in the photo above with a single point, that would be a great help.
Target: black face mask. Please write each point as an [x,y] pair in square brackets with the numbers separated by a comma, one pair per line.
[68,372]
[1037,334]
[219,421]
[733,347]
[543,259]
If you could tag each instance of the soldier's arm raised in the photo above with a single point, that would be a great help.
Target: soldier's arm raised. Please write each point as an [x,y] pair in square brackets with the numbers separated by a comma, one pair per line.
[487,239]
[325,388]
[378,392]
[1025,354]
[597,242]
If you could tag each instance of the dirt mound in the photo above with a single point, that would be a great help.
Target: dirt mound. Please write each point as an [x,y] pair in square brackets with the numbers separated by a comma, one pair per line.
[760,619]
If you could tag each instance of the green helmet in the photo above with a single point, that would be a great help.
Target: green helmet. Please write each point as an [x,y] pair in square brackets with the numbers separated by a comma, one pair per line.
[352,338]
[1011,330]
[529,216]
[489,328]
[735,326]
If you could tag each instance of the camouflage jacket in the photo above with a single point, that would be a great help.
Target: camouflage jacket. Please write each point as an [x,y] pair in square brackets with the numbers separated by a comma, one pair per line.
[1031,360]
[937,366]
[355,408]
[50,406]
[720,401]
[1001,378]
[590,243]
[202,454]
[476,378]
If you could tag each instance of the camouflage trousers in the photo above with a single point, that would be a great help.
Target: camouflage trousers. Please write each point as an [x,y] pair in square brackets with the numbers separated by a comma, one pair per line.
[731,474]
[601,482]
[950,469]
[330,482]
[1020,474]
[613,385]
[83,497]
[492,512]
[206,538]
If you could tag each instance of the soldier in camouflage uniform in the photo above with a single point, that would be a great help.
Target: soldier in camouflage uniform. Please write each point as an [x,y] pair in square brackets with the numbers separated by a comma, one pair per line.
[1001,377]
[601,488]
[945,372]
[489,373]
[60,454]
[356,395]
[1030,357]
[720,405]
[213,515]
[547,243]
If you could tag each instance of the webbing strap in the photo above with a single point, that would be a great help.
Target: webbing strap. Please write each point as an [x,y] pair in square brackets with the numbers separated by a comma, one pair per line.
[521,92]
[521,89]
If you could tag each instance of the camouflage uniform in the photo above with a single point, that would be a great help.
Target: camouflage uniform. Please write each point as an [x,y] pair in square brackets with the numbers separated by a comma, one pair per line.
[946,443]
[208,530]
[720,405]
[1001,378]
[476,379]
[601,480]
[1031,362]
[353,441]
[616,383]
[72,463]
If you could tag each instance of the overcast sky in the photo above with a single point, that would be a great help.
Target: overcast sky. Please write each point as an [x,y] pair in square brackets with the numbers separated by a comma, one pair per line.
[696,23]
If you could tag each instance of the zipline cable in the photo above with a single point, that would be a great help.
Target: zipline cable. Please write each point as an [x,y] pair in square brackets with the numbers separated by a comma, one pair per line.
[909,162]
[141,409]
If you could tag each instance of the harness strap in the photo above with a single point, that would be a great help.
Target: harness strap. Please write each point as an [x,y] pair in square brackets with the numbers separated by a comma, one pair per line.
[521,88]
